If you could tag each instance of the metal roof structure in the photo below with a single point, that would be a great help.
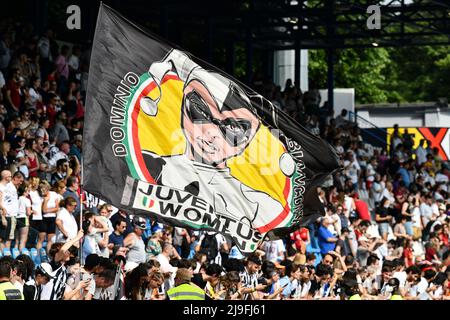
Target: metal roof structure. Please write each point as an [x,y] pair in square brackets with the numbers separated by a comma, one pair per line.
[263,26]
[287,24]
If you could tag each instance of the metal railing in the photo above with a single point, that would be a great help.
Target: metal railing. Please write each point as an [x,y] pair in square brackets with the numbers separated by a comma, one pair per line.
[354,117]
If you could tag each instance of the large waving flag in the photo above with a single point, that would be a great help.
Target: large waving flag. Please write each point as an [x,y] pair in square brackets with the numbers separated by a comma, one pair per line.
[174,138]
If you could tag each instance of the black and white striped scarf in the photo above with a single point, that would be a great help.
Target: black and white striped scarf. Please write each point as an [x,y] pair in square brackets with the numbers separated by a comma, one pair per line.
[59,281]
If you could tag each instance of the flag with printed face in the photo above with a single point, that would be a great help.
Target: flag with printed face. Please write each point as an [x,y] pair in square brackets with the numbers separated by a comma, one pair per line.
[174,138]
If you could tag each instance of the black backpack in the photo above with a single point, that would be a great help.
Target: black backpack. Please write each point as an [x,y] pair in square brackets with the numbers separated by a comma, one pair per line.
[209,246]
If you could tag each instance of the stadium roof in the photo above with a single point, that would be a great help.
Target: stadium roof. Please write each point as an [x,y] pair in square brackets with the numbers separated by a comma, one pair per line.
[287,24]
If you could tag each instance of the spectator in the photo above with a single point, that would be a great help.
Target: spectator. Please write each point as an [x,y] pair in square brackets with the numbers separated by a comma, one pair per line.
[72,186]
[67,227]
[33,288]
[7,290]
[23,214]
[327,240]
[184,289]
[50,206]
[134,242]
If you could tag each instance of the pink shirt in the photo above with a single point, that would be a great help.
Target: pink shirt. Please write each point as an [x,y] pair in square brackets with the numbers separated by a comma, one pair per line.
[62,66]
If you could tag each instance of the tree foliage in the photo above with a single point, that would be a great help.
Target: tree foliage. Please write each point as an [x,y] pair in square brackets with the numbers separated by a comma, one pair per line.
[407,74]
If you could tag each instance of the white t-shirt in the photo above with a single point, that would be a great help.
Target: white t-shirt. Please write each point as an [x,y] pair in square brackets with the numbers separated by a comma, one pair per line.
[416,217]
[36,205]
[24,203]
[401,276]
[352,171]
[441,178]
[422,286]
[10,199]
[34,97]
[165,266]
[426,212]
[69,224]
[74,62]
[54,198]
[273,249]
[23,168]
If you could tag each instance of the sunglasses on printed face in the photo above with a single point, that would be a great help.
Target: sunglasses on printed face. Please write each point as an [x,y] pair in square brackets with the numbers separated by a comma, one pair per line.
[235,131]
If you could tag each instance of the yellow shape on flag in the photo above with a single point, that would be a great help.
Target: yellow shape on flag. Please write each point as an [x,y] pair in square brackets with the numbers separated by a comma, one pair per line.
[257,167]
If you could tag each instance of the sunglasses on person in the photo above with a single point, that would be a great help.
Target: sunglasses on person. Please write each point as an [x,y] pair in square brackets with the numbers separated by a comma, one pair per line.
[235,131]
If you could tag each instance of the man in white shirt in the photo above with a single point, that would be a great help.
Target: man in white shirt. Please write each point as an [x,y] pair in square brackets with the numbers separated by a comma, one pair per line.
[387,192]
[426,211]
[9,202]
[165,267]
[421,152]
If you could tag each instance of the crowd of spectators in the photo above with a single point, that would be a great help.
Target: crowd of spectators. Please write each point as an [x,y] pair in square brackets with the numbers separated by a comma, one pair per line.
[383,235]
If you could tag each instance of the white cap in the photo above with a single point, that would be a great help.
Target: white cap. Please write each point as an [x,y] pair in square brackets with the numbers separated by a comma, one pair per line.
[46,268]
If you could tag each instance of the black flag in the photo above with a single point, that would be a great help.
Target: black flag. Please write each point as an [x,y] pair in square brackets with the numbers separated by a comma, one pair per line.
[174,138]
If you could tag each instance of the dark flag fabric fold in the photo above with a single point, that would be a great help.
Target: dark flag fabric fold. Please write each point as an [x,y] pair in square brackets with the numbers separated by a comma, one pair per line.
[173,138]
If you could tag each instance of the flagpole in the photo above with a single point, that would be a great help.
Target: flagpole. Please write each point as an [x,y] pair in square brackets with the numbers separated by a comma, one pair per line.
[80,252]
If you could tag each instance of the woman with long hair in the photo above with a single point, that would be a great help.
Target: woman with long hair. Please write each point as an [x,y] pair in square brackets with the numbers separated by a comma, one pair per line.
[32,160]
[5,158]
[407,210]
[60,187]
[383,218]
[50,206]
[23,222]
[231,286]
[136,282]
[36,223]
[154,290]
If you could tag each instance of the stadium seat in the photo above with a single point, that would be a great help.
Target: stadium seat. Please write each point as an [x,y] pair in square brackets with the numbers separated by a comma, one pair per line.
[43,255]
[15,253]
[26,251]
[6,252]
[35,256]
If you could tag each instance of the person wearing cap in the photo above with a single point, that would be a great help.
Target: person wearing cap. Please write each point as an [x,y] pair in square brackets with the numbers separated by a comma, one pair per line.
[184,289]
[135,243]
[33,288]
[249,277]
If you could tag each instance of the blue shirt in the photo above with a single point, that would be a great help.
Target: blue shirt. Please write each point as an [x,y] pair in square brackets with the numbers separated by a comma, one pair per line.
[324,245]
[405,176]
[117,240]
[287,290]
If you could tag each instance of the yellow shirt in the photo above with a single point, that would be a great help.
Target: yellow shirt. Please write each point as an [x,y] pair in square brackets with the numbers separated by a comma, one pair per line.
[9,292]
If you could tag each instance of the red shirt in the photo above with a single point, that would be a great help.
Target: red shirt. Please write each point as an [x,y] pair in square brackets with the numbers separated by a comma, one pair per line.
[444,238]
[14,89]
[362,209]
[299,237]
[51,114]
[408,255]
[429,254]
[80,110]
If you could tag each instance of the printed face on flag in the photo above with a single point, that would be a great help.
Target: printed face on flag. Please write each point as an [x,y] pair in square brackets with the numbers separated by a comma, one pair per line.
[214,135]
[191,147]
